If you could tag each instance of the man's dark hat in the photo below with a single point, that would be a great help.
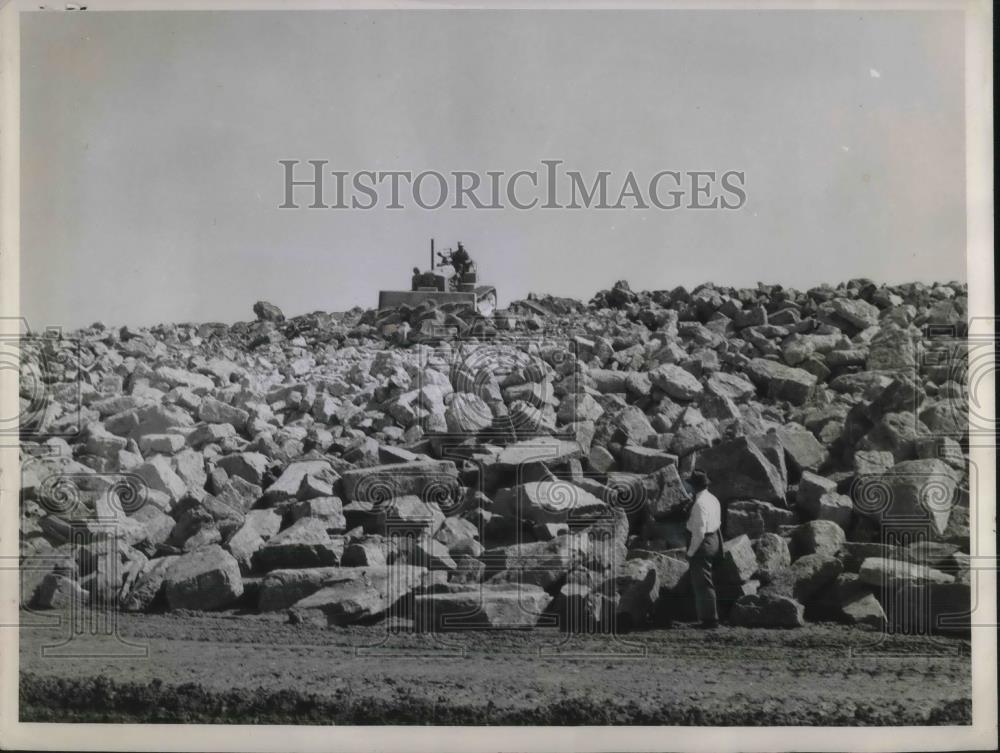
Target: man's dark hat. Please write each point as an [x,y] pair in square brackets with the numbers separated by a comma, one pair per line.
[698,479]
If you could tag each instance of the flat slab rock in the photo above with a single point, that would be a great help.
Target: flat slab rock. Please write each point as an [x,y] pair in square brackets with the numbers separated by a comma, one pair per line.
[513,606]
[383,482]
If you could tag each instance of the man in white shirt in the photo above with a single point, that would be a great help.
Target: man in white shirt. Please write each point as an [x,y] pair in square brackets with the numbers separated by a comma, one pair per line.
[704,526]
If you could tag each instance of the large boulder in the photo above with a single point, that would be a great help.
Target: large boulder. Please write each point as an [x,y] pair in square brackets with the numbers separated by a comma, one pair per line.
[639,594]
[279,589]
[738,562]
[380,483]
[159,474]
[676,382]
[888,574]
[539,563]
[738,469]
[579,406]
[347,596]
[913,489]
[803,452]
[258,527]
[476,607]
[526,459]
[214,411]
[148,585]
[548,502]
[267,312]
[818,537]
[205,579]
[636,459]
[288,484]
[773,556]
[731,386]
[755,518]
[805,577]
[781,382]
[811,487]
[767,610]
[858,603]
[306,543]
[856,312]
[249,466]
[897,433]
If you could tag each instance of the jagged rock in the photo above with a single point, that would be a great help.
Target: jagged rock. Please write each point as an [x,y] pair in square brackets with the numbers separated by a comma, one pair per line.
[162,444]
[258,527]
[738,469]
[698,436]
[805,576]
[290,481]
[205,579]
[675,382]
[158,473]
[279,589]
[811,488]
[738,563]
[872,462]
[856,311]
[755,518]
[886,574]
[579,407]
[915,489]
[539,563]
[637,587]
[732,386]
[632,425]
[897,433]
[767,610]
[306,543]
[149,584]
[548,502]
[781,382]
[383,482]
[346,596]
[803,451]
[773,556]
[330,510]
[213,411]
[249,466]
[853,553]
[817,537]
[494,606]
[645,459]
[858,603]
[267,312]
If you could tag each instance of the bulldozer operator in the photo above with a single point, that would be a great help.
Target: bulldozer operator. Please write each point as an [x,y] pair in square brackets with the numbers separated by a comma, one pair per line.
[461,260]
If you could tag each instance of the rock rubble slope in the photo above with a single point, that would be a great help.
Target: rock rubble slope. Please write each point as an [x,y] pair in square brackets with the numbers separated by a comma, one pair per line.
[446,471]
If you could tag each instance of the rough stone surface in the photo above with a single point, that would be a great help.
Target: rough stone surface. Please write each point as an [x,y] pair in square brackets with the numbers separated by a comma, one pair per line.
[769,611]
[205,579]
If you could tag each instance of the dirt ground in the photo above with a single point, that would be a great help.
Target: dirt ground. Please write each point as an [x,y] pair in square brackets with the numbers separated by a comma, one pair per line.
[226,668]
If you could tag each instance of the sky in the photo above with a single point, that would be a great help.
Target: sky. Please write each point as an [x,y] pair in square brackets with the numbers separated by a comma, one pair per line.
[150,144]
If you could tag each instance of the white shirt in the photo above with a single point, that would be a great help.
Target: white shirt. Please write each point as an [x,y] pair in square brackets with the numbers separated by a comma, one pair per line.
[705,518]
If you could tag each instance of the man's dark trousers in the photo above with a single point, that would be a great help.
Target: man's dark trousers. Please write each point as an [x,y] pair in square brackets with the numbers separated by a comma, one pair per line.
[701,576]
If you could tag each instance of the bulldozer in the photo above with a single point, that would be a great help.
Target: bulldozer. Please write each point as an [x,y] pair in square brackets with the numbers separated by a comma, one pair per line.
[446,281]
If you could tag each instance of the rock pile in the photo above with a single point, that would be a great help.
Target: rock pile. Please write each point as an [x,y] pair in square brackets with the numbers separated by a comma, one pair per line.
[426,465]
